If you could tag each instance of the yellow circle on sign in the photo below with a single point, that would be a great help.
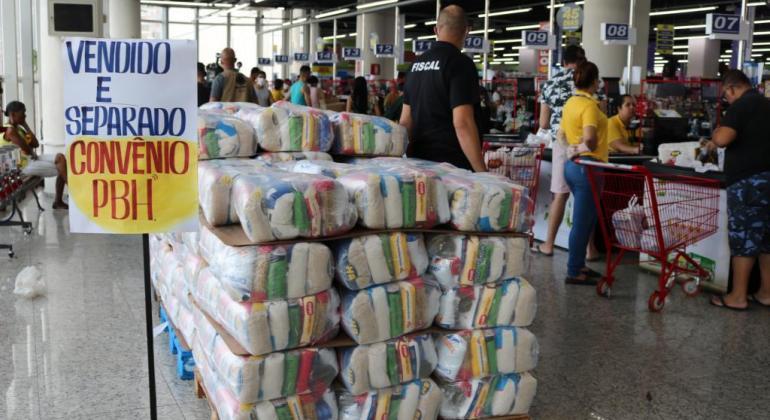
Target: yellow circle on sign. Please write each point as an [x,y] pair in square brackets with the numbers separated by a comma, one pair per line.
[134,185]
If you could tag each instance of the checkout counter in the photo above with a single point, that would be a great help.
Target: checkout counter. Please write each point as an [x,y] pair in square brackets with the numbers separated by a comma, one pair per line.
[712,253]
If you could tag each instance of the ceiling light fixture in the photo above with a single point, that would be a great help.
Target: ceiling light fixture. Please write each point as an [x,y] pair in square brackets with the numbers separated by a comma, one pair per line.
[332,13]
[430,23]
[410,26]
[182,4]
[680,11]
[480,31]
[374,4]
[522,27]
[507,12]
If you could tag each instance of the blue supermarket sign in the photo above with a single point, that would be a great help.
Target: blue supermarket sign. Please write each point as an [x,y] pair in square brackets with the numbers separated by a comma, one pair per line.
[350,53]
[281,59]
[475,43]
[324,56]
[422,45]
[617,33]
[303,57]
[536,39]
[384,50]
[263,61]
[722,26]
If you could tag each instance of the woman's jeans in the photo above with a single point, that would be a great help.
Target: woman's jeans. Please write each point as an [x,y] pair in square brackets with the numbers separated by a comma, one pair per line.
[584,215]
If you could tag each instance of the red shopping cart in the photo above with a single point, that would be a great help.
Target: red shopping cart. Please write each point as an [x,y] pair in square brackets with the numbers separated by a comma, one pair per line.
[518,161]
[656,214]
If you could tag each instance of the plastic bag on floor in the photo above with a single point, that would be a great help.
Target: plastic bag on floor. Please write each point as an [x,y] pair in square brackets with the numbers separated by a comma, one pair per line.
[215,183]
[501,395]
[278,205]
[266,327]
[384,312]
[276,375]
[415,400]
[223,136]
[377,259]
[380,365]
[629,223]
[512,302]
[292,156]
[475,354]
[462,260]
[262,273]
[358,134]
[29,283]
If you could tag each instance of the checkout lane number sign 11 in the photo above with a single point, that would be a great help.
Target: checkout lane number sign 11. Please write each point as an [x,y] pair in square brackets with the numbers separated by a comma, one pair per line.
[721,26]
[617,34]
[422,45]
[351,53]
[538,40]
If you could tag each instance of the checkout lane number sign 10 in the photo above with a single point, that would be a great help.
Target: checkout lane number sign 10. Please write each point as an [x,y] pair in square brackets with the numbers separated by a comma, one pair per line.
[350,53]
[722,26]
[475,44]
[617,34]
[539,40]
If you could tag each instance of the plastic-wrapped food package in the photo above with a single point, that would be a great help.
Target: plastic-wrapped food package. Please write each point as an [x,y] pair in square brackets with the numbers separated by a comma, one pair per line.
[276,375]
[501,395]
[475,354]
[215,183]
[382,365]
[463,260]
[223,136]
[512,302]
[268,272]
[419,399]
[292,156]
[285,127]
[487,203]
[227,107]
[388,311]
[323,167]
[278,205]
[358,134]
[320,404]
[377,259]
[265,327]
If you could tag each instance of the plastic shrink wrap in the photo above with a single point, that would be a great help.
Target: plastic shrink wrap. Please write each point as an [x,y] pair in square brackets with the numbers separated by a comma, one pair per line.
[358,134]
[388,311]
[265,327]
[463,260]
[511,302]
[215,184]
[419,399]
[285,127]
[382,365]
[268,272]
[228,107]
[475,354]
[500,395]
[291,156]
[223,136]
[377,259]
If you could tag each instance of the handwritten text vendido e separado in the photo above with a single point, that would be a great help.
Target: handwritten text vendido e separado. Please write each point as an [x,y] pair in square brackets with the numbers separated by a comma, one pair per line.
[123,149]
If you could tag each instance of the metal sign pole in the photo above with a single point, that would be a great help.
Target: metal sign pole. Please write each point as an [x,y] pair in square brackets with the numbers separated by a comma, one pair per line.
[148,323]
[552,30]
[486,28]
[334,63]
[742,42]
[630,58]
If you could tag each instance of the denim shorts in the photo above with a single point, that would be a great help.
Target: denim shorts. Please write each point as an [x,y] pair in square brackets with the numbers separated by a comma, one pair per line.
[748,210]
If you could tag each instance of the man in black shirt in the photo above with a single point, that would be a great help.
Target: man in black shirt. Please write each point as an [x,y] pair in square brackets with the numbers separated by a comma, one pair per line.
[441,98]
[745,132]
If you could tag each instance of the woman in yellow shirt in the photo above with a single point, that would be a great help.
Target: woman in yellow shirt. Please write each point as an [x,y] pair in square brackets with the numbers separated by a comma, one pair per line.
[618,133]
[584,126]
[277,92]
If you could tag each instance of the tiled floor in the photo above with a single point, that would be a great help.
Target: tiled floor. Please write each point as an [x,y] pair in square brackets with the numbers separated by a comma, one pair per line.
[79,352]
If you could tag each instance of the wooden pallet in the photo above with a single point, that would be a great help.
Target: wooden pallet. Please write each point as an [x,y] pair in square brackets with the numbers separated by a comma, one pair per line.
[201,393]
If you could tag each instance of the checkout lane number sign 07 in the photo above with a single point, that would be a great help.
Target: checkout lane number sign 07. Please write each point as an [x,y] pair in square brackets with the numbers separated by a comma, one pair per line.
[722,26]
[131,135]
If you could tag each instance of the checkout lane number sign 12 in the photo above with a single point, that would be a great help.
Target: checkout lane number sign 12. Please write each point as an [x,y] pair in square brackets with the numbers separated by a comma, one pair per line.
[722,26]
[539,40]
[617,34]
[384,50]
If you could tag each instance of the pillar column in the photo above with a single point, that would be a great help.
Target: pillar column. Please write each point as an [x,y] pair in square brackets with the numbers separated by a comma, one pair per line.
[611,59]
[382,24]
[124,19]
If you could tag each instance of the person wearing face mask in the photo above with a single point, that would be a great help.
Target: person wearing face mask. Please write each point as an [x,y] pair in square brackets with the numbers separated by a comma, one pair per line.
[264,98]
[618,128]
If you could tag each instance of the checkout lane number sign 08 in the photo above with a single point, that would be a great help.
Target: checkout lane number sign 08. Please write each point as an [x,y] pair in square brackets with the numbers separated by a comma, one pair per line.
[617,34]
[722,26]
[539,40]
[350,53]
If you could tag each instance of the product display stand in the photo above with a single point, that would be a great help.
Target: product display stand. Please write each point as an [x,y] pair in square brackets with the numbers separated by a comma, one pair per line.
[148,322]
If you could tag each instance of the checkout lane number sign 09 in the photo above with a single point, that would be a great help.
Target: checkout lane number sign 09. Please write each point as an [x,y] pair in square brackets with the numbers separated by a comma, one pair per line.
[617,34]
[350,53]
[721,26]
[384,50]
[538,40]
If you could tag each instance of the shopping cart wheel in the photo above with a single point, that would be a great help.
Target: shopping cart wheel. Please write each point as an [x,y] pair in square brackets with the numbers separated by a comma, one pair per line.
[691,287]
[656,301]
[603,288]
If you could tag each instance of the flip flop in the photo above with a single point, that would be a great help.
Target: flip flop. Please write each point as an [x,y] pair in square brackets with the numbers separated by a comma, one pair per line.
[576,281]
[753,298]
[536,250]
[722,304]
[591,273]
